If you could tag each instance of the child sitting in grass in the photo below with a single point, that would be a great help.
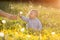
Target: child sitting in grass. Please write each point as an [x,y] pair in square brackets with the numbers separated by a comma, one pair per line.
[32,21]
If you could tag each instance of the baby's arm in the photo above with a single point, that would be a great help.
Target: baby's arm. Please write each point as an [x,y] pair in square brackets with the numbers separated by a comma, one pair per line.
[23,18]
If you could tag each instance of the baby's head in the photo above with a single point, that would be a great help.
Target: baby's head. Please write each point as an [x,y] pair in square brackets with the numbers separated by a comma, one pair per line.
[33,14]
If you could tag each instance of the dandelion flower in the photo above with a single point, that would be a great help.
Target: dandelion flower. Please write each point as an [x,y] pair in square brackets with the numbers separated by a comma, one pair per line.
[53,33]
[22,30]
[28,36]
[21,12]
[1,34]
[3,21]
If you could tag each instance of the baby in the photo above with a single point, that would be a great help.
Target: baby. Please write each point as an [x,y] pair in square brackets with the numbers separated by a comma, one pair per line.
[32,21]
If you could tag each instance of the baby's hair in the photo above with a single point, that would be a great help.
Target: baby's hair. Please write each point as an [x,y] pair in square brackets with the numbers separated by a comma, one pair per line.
[34,10]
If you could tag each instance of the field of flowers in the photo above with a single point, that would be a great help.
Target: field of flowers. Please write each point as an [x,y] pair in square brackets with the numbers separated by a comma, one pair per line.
[16,29]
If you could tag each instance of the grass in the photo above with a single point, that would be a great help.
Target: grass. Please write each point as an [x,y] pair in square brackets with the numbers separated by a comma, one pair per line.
[50,18]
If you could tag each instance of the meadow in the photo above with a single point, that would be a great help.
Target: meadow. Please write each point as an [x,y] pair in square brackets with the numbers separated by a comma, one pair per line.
[16,29]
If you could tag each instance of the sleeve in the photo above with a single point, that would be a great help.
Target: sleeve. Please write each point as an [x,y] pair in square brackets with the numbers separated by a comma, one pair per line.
[40,26]
[24,18]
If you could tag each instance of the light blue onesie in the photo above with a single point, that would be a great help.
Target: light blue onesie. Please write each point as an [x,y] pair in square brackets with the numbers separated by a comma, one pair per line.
[35,24]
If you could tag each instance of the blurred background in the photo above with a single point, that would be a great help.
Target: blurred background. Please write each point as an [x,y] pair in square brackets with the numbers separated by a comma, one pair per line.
[49,15]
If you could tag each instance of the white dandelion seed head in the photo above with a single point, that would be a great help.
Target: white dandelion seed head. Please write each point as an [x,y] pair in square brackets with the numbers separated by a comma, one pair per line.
[3,21]
[22,30]
[1,34]
[21,12]
[53,33]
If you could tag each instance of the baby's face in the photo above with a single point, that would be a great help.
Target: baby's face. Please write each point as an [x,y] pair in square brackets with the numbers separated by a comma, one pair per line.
[32,14]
